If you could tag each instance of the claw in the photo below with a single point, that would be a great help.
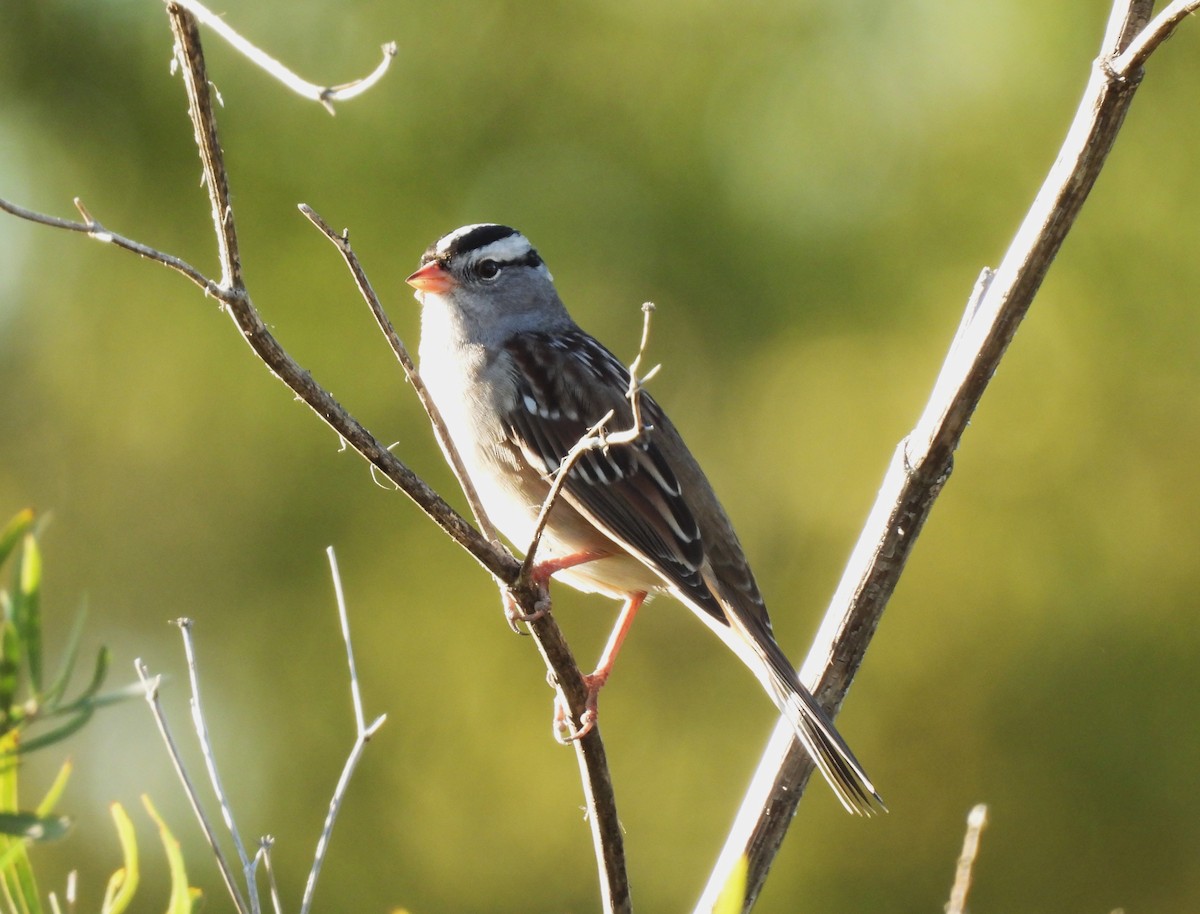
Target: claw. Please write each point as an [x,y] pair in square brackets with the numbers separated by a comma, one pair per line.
[514,614]
[563,731]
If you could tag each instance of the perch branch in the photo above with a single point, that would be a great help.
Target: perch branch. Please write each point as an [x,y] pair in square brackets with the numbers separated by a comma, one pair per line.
[551,643]
[923,460]
[231,292]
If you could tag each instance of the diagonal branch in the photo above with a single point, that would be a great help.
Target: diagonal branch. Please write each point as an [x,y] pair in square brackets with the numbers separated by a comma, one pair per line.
[231,292]
[552,645]
[342,243]
[923,461]
[95,230]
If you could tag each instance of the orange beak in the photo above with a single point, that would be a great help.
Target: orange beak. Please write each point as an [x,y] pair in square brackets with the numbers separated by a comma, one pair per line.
[432,277]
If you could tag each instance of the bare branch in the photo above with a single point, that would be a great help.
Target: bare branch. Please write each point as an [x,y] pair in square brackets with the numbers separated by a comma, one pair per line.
[923,460]
[212,160]
[210,763]
[151,685]
[264,853]
[551,644]
[95,230]
[326,95]
[1147,41]
[976,820]
[363,734]
[342,243]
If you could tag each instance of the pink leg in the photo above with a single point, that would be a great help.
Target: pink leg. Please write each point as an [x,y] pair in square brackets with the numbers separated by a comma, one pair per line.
[543,570]
[541,573]
[595,681]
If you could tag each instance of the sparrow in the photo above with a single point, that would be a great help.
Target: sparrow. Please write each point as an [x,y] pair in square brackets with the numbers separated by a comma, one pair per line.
[518,384]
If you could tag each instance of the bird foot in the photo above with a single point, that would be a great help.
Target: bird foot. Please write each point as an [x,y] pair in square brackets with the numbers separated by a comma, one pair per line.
[564,732]
[514,615]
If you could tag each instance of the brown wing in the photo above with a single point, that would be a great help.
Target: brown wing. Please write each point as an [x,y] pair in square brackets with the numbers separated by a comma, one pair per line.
[635,493]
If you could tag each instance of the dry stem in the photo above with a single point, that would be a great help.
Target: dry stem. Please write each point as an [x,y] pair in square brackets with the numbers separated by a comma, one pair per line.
[923,460]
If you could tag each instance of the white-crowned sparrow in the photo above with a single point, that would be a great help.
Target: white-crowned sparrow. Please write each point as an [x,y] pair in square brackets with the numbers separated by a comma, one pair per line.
[518,383]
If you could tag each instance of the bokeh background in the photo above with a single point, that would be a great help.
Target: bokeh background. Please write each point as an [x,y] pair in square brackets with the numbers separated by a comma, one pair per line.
[808,192]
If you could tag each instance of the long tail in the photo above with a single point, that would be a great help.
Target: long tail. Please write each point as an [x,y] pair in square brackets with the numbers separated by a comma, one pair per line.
[814,729]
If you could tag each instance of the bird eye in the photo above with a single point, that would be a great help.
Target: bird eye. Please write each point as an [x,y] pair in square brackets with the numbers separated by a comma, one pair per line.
[487,269]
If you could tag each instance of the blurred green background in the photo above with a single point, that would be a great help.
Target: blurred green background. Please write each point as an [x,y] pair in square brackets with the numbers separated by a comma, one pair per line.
[808,192]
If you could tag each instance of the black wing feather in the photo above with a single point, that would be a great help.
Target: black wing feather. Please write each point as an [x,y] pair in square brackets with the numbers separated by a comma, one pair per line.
[629,490]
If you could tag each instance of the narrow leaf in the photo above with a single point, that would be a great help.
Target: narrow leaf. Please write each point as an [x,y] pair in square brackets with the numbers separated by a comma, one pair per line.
[30,623]
[123,883]
[10,657]
[42,740]
[16,528]
[182,895]
[103,657]
[58,688]
[54,794]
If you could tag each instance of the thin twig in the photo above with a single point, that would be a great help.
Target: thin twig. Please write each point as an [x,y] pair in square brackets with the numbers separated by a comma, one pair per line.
[1147,41]
[342,242]
[976,820]
[151,685]
[326,95]
[363,734]
[98,232]
[590,441]
[596,438]
[344,620]
[265,843]
[210,764]
[264,344]
[922,462]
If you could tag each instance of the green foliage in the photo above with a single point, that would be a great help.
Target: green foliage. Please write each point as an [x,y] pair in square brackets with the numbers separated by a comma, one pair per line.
[26,702]
[123,883]
[24,699]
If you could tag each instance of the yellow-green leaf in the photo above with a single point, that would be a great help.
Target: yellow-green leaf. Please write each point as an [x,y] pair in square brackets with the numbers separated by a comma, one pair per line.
[182,896]
[123,883]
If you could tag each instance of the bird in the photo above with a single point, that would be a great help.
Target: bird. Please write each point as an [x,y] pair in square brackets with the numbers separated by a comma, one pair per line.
[518,384]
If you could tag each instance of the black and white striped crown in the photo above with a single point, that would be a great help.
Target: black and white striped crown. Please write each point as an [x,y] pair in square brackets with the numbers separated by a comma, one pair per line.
[500,243]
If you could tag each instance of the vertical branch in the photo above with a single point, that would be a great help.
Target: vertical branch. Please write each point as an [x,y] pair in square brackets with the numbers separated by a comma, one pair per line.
[204,125]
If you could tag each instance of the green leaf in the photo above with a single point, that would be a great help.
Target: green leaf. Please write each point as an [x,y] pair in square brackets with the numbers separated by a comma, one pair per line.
[33,827]
[123,883]
[58,688]
[10,654]
[16,528]
[16,872]
[42,740]
[182,895]
[29,617]
[54,794]
[103,658]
